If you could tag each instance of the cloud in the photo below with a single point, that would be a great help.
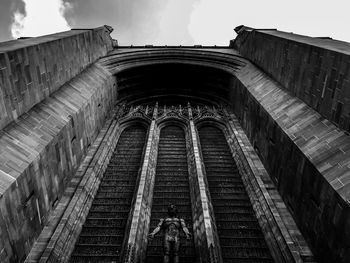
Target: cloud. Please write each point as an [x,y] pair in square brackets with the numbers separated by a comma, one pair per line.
[211,22]
[18,24]
[41,17]
[173,23]
[135,22]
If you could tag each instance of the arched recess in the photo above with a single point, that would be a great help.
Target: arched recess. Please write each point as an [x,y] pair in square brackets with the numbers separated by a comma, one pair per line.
[174,75]
[172,121]
[208,121]
[237,225]
[152,75]
[134,121]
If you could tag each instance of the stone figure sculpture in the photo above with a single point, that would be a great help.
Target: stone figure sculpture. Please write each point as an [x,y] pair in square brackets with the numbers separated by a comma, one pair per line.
[171,226]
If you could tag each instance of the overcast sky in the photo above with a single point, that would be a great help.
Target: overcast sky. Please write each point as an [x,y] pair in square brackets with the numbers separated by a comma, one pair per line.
[174,22]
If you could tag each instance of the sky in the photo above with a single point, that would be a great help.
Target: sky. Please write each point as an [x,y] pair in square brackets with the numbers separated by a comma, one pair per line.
[174,22]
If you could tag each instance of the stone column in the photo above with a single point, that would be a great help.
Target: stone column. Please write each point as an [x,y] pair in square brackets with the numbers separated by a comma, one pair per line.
[204,228]
[136,242]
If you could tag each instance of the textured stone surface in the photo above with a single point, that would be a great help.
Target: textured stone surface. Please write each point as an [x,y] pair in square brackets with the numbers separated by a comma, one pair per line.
[57,239]
[306,155]
[273,215]
[32,69]
[313,69]
[40,152]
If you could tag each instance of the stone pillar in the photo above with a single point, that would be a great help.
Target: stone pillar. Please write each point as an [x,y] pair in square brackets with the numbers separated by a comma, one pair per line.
[204,228]
[136,242]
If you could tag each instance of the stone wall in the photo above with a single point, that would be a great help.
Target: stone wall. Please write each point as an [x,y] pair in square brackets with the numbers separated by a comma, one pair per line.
[315,70]
[32,69]
[57,241]
[283,237]
[306,155]
[40,152]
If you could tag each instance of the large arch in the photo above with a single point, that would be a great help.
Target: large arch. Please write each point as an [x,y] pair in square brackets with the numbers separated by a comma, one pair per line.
[174,75]
[199,79]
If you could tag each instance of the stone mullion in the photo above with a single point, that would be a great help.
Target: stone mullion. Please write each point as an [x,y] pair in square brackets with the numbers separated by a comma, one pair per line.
[204,228]
[135,248]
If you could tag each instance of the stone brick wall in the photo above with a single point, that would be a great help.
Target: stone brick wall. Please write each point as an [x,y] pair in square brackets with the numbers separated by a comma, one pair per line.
[32,69]
[41,151]
[56,242]
[313,69]
[283,237]
[306,155]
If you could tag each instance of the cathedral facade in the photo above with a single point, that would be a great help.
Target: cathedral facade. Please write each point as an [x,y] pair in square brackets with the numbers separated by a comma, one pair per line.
[249,141]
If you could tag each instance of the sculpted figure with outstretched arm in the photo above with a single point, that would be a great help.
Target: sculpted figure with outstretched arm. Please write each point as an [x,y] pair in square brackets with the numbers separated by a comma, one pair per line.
[171,226]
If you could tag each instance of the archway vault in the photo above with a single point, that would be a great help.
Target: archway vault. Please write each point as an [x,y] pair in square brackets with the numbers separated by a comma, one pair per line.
[174,75]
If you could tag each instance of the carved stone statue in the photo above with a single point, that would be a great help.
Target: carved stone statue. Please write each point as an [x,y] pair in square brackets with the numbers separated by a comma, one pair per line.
[171,226]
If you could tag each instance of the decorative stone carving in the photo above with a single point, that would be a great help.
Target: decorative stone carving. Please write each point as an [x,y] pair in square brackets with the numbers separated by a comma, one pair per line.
[126,111]
[205,111]
[179,112]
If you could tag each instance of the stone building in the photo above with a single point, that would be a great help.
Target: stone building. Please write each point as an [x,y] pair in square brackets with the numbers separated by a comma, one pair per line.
[250,141]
